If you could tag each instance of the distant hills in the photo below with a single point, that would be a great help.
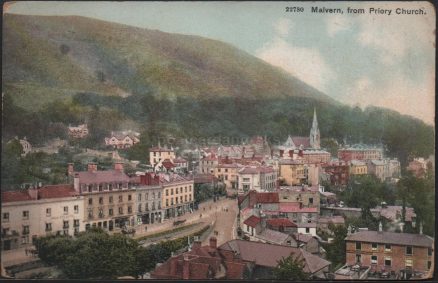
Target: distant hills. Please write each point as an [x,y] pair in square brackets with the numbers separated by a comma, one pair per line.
[70,69]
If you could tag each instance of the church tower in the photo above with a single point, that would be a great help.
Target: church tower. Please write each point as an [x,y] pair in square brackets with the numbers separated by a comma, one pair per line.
[315,138]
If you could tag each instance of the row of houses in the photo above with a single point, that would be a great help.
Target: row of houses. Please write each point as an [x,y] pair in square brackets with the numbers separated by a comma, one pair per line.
[109,199]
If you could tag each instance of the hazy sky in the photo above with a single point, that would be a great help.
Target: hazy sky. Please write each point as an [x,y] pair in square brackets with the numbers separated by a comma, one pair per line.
[379,59]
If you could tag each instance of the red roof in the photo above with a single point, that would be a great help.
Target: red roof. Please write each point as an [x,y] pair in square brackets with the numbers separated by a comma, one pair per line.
[305,141]
[277,222]
[252,221]
[56,191]
[295,207]
[12,196]
[168,164]
[267,197]
[97,177]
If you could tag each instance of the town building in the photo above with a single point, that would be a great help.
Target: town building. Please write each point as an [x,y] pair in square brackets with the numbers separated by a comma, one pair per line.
[338,172]
[236,259]
[360,152]
[122,139]
[258,178]
[316,156]
[291,172]
[390,252]
[148,199]
[109,197]
[358,167]
[157,154]
[40,211]
[378,168]
[178,194]
[78,132]
[228,174]
[208,164]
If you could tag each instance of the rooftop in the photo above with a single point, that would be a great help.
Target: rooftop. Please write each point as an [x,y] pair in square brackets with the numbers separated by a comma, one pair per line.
[403,239]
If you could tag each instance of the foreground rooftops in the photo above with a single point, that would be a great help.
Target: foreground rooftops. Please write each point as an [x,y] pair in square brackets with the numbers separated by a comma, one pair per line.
[45,192]
[403,239]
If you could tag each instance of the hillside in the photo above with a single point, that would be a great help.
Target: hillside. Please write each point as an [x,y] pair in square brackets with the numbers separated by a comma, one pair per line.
[68,70]
[63,55]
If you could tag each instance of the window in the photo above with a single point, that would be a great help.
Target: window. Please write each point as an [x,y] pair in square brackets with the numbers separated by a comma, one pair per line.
[129,209]
[171,192]
[111,199]
[101,200]
[26,214]
[185,198]
[90,201]
[429,251]
[120,198]
[139,197]
[374,246]
[5,217]
[181,198]
[120,210]
[387,248]
[408,263]
[429,264]
[65,224]
[159,194]
[65,210]
[76,209]
[167,202]
[167,192]
[48,227]
[76,223]
[153,195]
[409,250]
[387,261]
[129,197]
[147,206]
[25,229]
[311,200]
[185,189]
[139,207]
[307,230]
[358,245]
[48,211]
[373,259]
[111,212]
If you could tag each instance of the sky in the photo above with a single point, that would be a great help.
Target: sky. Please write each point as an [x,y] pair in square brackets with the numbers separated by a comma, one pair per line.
[358,59]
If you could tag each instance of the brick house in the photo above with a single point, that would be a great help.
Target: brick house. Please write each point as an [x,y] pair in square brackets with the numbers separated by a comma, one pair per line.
[236,259]
[390,251]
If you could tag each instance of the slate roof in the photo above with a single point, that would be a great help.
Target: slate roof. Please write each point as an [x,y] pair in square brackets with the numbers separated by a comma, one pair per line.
[13,196]
[96,177]
[268,255]
[273,236]
[56,191]
[403,239]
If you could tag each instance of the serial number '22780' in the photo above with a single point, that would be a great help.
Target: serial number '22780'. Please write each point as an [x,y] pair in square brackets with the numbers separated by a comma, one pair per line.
[294,9]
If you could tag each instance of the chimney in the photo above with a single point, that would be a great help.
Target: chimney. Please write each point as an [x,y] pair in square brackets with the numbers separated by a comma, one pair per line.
[349,230]
[186,267]
[300,153]
[281,152]
[421,228]
[213,242]
[33,193]
[92,167]
[401,226]
[291,154]
[76,182]
[70,169]
[118,166]
[380,227]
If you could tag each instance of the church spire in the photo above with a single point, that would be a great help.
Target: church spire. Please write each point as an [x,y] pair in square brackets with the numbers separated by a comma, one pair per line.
[315,138]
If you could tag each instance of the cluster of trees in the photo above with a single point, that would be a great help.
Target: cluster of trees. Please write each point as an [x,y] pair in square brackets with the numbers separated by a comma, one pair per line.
[290,268]
[94,254]
[208,191]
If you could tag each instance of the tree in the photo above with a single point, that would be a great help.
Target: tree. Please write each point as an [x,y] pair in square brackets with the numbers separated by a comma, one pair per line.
[336,249]
[290,269]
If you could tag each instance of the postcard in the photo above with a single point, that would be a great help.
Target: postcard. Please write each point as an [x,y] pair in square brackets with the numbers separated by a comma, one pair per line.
[180,140]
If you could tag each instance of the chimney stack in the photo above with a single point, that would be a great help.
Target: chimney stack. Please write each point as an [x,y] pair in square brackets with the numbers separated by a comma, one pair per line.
[213,242]
[76,183]
[421,228]
[380,227]
[70,169]
[349,230]
[118,166]
[92,167]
